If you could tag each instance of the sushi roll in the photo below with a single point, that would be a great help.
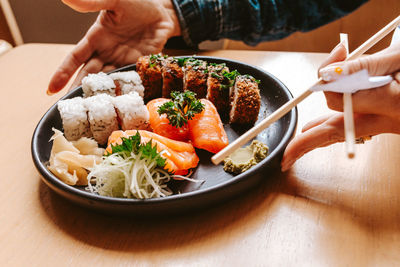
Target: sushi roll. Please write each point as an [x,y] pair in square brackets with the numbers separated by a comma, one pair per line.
[246,100]
[218,87]
[172,75]
[195,78]
[102,117]
[132,112]
[99,83]
[149,70]
[74,118]
[127,82]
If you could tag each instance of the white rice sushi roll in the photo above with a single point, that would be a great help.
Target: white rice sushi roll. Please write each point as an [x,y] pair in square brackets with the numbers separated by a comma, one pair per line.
[102,117]
[132,112]
[99,83]
[74,117]
[127,82]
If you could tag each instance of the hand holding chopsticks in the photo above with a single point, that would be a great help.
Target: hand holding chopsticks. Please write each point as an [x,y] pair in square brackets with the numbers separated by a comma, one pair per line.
[217,158]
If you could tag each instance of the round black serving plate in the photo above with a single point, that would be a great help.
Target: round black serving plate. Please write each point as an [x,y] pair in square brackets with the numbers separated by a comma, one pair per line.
[218,185]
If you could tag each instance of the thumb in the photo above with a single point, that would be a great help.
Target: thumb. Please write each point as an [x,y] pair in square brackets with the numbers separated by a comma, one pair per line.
[90,5]
[376,64]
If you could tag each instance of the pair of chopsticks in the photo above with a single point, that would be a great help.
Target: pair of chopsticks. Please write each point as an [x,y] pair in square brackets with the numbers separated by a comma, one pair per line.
[279,113]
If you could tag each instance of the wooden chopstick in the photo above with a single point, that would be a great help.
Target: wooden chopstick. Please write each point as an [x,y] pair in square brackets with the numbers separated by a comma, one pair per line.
[348,110]
[280,112]
[12,22]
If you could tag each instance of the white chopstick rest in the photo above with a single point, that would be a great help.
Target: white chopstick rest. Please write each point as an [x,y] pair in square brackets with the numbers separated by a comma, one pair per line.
[353,83]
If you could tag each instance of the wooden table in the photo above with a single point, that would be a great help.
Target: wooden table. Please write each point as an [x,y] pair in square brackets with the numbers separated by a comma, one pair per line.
[327,210]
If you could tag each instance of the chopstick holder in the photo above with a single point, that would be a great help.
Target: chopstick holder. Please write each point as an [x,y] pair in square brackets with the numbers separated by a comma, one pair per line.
[280,112]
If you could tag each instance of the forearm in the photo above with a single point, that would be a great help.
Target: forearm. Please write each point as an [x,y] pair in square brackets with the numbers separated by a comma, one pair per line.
[257,20]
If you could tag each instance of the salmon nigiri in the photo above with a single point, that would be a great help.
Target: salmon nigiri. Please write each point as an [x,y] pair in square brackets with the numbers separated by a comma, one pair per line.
[206,130]
[180,156]
[161,124]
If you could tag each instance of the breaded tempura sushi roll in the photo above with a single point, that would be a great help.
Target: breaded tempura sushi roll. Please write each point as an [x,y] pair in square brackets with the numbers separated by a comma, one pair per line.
[127,82]
[246,100]
[172,74]
[102,117]
[99,83]
[132,112]
[149,70]
[195,78]
[74,118]
[218,87]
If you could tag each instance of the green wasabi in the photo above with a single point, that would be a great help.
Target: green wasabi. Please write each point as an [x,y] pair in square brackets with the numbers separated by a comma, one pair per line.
[245,157]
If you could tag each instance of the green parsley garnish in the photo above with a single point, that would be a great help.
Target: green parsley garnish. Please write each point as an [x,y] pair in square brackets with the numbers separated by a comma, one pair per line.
[182,61]
[155,59]
[231,75]
[181,108]
[133,145]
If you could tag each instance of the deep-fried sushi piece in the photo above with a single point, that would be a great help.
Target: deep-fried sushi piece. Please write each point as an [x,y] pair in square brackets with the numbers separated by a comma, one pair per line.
[149,70]
[246,100]
[195,78]
[172,74]
[218,87]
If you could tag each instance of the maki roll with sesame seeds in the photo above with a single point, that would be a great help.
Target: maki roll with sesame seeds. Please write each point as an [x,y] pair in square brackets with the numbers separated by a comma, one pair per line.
[172,75]
[195,78]
[132,112]
[218,87]
[73,113]
[98,83]
[149,70]
[127,82]
[102,117]
[246,100]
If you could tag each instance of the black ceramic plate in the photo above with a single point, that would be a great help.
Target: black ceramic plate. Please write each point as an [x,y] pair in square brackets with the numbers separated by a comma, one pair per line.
[218,184]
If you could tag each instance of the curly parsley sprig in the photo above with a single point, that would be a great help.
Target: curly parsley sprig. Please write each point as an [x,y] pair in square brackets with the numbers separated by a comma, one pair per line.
[181,108]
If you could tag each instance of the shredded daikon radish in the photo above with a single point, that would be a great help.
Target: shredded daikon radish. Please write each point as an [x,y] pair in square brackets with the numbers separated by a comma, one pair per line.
[131,177]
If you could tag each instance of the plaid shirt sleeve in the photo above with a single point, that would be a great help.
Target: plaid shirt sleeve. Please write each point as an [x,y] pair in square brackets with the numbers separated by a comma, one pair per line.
[254,21]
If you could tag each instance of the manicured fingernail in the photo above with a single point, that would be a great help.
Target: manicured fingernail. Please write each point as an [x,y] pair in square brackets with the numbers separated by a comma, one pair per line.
[48,92]
[331,73]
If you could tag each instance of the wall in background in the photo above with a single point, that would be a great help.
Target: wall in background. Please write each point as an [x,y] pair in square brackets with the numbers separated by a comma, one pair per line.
[50,21]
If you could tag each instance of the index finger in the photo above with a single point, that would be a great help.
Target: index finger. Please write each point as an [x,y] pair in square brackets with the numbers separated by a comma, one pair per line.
[80,54]
[339,53]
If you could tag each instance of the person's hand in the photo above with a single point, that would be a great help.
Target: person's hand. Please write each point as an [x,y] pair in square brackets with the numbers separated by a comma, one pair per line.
[376,110]
[123,31]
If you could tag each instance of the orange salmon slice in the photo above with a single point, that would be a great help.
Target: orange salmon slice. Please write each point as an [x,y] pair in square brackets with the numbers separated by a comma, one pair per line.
[206,130]
[180,156]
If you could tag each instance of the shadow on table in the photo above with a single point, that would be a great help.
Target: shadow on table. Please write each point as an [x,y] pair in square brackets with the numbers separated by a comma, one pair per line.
[214,226]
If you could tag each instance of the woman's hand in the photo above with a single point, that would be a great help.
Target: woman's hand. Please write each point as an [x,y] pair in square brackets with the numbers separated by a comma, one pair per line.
[123,31]
[376,110]
[384,100]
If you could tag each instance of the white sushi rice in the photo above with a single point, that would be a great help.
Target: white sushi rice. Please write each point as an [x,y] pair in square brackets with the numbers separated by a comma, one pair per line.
[99,83]
[102,117]
[74,117]
[132,111]
[129,81]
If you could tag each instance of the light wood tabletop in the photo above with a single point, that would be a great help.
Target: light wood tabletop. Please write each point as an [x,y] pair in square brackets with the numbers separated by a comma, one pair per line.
[327,210]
